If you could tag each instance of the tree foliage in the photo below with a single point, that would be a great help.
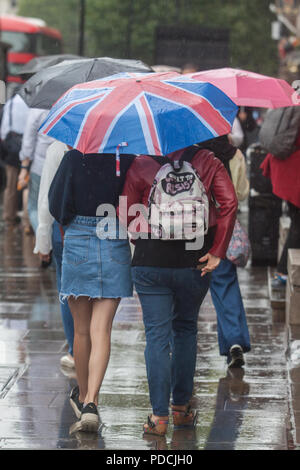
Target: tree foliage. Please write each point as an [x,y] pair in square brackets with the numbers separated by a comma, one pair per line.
[126,28]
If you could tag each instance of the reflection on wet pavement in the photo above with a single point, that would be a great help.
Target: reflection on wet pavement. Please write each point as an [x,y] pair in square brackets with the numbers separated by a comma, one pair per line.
[237,410]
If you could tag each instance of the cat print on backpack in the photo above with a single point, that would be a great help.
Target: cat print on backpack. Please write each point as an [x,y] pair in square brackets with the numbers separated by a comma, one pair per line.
[178,203]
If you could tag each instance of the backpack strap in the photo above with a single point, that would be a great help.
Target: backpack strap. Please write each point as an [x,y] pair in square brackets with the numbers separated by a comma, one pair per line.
[160,159]
[186,156]
[189,153]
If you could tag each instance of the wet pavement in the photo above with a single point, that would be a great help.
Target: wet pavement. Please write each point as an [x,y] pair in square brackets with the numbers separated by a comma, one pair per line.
[257,408]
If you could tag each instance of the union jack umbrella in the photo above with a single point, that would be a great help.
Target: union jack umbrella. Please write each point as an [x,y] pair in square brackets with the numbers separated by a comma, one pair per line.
[148,113]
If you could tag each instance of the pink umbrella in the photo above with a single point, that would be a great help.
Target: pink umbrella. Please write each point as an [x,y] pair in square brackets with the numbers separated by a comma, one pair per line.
[250,89]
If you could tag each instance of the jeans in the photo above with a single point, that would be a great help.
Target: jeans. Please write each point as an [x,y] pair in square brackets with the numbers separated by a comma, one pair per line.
[170,299]
[67,319]
[34,187]
[228,302]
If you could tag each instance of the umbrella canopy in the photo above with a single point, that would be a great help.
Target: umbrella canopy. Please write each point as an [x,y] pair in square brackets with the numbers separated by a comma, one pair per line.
[248,88]
[41,62]
[165,68]
[153,113]
[44,88]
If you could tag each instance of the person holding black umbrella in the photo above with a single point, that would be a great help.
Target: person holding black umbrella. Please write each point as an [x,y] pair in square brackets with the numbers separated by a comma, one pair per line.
[13,122]
[32,156]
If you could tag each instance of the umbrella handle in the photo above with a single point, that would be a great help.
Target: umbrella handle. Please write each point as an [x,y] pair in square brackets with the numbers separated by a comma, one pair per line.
[118,167]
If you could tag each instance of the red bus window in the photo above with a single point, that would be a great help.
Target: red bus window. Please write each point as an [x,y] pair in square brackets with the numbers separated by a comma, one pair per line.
[14,68]
[47,45]
[20,42]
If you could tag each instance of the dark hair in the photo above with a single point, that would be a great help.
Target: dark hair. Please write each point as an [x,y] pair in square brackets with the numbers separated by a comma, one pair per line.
[221,147]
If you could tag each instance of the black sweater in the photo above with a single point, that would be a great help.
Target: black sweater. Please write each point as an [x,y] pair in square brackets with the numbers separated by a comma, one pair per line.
[83,182]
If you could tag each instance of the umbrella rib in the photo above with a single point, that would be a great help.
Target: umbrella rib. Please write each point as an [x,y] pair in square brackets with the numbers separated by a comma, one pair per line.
[90,71]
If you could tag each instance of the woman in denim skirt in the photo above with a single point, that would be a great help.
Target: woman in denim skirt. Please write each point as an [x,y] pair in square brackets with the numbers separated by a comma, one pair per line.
[95,269]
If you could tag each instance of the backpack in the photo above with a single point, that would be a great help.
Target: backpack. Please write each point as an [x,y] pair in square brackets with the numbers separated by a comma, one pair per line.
[279,131]
[178,204]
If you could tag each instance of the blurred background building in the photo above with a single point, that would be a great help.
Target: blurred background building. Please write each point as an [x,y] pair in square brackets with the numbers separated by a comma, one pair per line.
[8,7]
[287,31]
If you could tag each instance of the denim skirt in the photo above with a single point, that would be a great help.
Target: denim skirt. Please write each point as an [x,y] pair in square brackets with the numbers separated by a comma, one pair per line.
[94,266]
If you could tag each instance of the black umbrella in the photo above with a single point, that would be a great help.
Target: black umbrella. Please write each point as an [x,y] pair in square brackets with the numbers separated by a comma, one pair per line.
[41,62]
[44,88]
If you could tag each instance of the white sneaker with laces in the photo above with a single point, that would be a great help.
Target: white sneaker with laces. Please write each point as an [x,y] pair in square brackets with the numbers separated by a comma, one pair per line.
[67,361]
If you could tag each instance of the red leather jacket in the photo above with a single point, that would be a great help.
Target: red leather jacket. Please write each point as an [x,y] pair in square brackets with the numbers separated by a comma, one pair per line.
[217,184]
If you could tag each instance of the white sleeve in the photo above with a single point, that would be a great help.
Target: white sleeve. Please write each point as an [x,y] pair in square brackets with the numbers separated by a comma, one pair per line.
[5,121]
[30,135]
[237,134]
[54,156]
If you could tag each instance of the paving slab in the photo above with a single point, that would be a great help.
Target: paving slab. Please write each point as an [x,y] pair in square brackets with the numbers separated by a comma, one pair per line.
[254,409]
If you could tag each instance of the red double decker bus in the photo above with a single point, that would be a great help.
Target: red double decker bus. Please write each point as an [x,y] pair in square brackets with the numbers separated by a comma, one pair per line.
[28,37]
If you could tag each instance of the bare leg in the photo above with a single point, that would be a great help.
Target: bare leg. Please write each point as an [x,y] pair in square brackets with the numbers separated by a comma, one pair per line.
[100,333]
[81,309]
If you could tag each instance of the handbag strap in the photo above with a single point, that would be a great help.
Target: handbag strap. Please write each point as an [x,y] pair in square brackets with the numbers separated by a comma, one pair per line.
[10,113]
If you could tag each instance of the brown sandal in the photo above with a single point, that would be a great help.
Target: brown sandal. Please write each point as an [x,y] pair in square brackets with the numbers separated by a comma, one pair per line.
[157,427]
[184,418]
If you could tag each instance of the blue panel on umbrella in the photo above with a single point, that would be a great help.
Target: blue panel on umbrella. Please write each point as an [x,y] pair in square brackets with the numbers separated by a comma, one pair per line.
[78,94]
[127,129]
[214,95]
[67,128]
[169,119]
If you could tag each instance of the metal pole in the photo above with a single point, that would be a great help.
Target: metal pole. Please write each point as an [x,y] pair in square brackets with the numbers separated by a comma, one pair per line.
[81,27]
[129,30]
[178,11]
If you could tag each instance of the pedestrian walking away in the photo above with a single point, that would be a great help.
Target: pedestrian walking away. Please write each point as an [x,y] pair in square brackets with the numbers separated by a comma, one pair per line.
[170,287]
[233,333]
[95,268]
[32,156]
[13,123]
[284,174]
[49,238]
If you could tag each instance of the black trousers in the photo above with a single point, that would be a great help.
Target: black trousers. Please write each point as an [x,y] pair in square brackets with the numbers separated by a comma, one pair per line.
[293,238]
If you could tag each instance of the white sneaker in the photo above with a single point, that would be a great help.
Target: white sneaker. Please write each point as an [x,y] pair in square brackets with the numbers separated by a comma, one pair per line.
[67,361]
